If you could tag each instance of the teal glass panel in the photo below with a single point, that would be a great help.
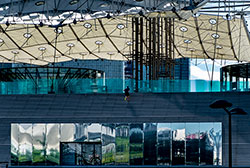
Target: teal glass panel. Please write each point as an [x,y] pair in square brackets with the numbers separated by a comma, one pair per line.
[87,86]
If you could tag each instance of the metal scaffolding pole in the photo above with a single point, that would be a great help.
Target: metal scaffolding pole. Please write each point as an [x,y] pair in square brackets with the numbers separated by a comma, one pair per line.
[153,49]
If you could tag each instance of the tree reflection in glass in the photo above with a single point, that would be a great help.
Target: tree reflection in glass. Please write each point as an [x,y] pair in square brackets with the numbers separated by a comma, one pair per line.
[122,144]
[108,144]
[25,144]
[136,144]
[39,144]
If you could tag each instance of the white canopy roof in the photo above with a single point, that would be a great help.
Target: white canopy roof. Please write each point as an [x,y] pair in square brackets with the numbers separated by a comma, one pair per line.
[213,37]
[205,36]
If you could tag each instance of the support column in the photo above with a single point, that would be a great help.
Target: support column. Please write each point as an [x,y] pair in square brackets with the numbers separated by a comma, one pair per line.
[141,51]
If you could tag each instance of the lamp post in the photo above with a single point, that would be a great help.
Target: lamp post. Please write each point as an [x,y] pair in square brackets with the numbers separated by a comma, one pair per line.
[235,111]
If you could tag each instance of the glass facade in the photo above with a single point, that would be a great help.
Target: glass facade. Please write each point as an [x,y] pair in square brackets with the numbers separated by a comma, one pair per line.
[116,144]
[87,86]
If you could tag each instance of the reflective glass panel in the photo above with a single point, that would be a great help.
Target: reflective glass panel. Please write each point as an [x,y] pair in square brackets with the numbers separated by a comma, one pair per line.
[136,144]
[78,154]
[108,144]
[52,142]
[216,136]
[178,144]
[94,132]
[206,144]
[92,153]
[81,153]
[14,144]
[39,144]
[81,132]
[68,132]
[192,143]
[25,144]
[68,153]
[150,143]
[164,143]
[122,144]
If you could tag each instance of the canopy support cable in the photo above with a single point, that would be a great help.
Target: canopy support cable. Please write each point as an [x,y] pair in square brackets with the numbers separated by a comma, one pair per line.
[78,39]
[230,38]
[199,36]
[45,38]
[215,47]
[20,48]
[105,32]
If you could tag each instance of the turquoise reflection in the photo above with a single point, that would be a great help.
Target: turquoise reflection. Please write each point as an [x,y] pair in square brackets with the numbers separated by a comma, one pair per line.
[84,86]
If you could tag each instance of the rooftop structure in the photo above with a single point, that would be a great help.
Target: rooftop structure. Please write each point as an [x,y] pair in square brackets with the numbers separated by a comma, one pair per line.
[222,38]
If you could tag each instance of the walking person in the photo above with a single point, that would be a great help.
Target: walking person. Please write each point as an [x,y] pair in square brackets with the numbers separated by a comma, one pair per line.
[126,91]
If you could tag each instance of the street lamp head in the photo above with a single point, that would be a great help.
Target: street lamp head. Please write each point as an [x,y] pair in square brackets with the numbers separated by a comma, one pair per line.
[220,104]
[237,111]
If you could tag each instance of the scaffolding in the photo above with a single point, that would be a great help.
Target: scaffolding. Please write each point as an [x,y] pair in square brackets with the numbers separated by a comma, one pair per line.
[153,48]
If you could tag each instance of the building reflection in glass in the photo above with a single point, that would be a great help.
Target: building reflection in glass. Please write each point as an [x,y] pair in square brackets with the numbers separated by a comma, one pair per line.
[94,132]
[68,154]
[150,141]
[116,144]
[164,143]
[178,144]
[81,153]
[108,144]
[216,136]
[206,144]
[192,143]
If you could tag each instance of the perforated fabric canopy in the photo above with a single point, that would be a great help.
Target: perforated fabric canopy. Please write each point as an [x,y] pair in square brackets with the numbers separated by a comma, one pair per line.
[213,37]
[205,36]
